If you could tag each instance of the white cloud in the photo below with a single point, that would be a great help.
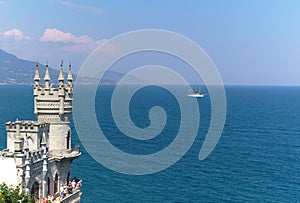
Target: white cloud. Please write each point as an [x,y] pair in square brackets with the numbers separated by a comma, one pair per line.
[55,35]
[73,43]
[15,34]
[82,7]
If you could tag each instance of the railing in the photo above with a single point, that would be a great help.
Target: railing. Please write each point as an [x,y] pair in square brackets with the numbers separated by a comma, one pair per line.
[73,197]
[67,153]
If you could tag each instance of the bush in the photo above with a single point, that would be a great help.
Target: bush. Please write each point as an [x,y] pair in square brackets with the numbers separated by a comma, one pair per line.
[13,195]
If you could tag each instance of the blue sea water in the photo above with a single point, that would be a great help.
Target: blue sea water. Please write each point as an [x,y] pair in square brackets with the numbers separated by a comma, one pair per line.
[256,159]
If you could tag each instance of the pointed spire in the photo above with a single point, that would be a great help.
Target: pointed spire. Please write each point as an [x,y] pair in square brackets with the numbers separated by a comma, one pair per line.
[37,74]
[61,77]
[47,78]
[70,77]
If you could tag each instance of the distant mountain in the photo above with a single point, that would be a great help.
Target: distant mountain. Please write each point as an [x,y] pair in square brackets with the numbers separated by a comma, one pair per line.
[19,71]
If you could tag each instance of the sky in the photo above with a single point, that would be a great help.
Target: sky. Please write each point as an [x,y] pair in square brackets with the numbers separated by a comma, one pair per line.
[251,42]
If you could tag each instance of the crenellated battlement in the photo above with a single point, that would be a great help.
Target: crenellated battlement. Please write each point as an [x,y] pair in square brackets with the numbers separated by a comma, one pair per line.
[36,155]
[26,134]
[26,126]
[53,104]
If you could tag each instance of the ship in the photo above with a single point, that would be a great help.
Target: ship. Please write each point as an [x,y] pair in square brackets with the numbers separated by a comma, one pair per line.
[196,94]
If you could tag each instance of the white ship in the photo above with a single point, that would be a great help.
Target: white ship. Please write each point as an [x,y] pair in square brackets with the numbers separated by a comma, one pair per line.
[197,94]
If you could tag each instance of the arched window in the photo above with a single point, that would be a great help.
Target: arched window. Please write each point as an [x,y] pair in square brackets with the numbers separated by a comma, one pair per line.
[56,183]
[35,190]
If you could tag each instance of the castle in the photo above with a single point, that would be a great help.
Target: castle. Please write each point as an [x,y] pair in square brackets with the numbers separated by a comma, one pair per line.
[39,153]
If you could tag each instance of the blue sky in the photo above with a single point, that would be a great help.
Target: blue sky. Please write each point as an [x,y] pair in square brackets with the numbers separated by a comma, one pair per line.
[251,42]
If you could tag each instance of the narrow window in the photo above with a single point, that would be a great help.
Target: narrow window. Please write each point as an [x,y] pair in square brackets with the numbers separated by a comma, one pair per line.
[68,140]
[56,183]
[68,177]
[48,184]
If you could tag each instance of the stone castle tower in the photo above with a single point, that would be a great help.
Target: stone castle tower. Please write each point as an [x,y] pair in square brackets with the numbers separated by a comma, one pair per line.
[41,150]
[54,106]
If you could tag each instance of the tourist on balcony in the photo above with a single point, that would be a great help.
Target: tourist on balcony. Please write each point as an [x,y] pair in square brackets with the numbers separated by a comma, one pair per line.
[78,185]
[50,198]
[73,184]
[70,188]
[63,193]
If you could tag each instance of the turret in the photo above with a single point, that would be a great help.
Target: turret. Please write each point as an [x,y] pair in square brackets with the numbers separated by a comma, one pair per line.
[44,143]
[37,75]
[27,171]
[47,78]
[37,79]
[26,146]
[45,164]
[61,77]
[61,91]
[18,141]
[54,105]
[70,77]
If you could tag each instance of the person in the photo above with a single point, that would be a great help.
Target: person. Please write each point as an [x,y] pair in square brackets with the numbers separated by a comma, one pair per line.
[66,191]
[62,194]
[73,184]
[78,185]
[70,188]
[50,197]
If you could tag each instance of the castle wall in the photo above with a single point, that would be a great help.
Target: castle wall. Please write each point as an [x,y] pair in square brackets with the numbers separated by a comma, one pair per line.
[36,173]
[58,135]
[62,168]
[29,131]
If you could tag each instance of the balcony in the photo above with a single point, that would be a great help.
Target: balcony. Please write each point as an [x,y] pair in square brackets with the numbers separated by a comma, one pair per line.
[65,154]
[73,197]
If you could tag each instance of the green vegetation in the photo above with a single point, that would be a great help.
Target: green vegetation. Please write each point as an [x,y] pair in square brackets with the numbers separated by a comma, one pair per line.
[13,195]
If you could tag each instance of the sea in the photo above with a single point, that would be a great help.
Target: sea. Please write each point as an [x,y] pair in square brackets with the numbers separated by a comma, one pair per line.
[256,159]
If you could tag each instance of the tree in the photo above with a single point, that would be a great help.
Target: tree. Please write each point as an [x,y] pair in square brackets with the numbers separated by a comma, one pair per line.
[13,195]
